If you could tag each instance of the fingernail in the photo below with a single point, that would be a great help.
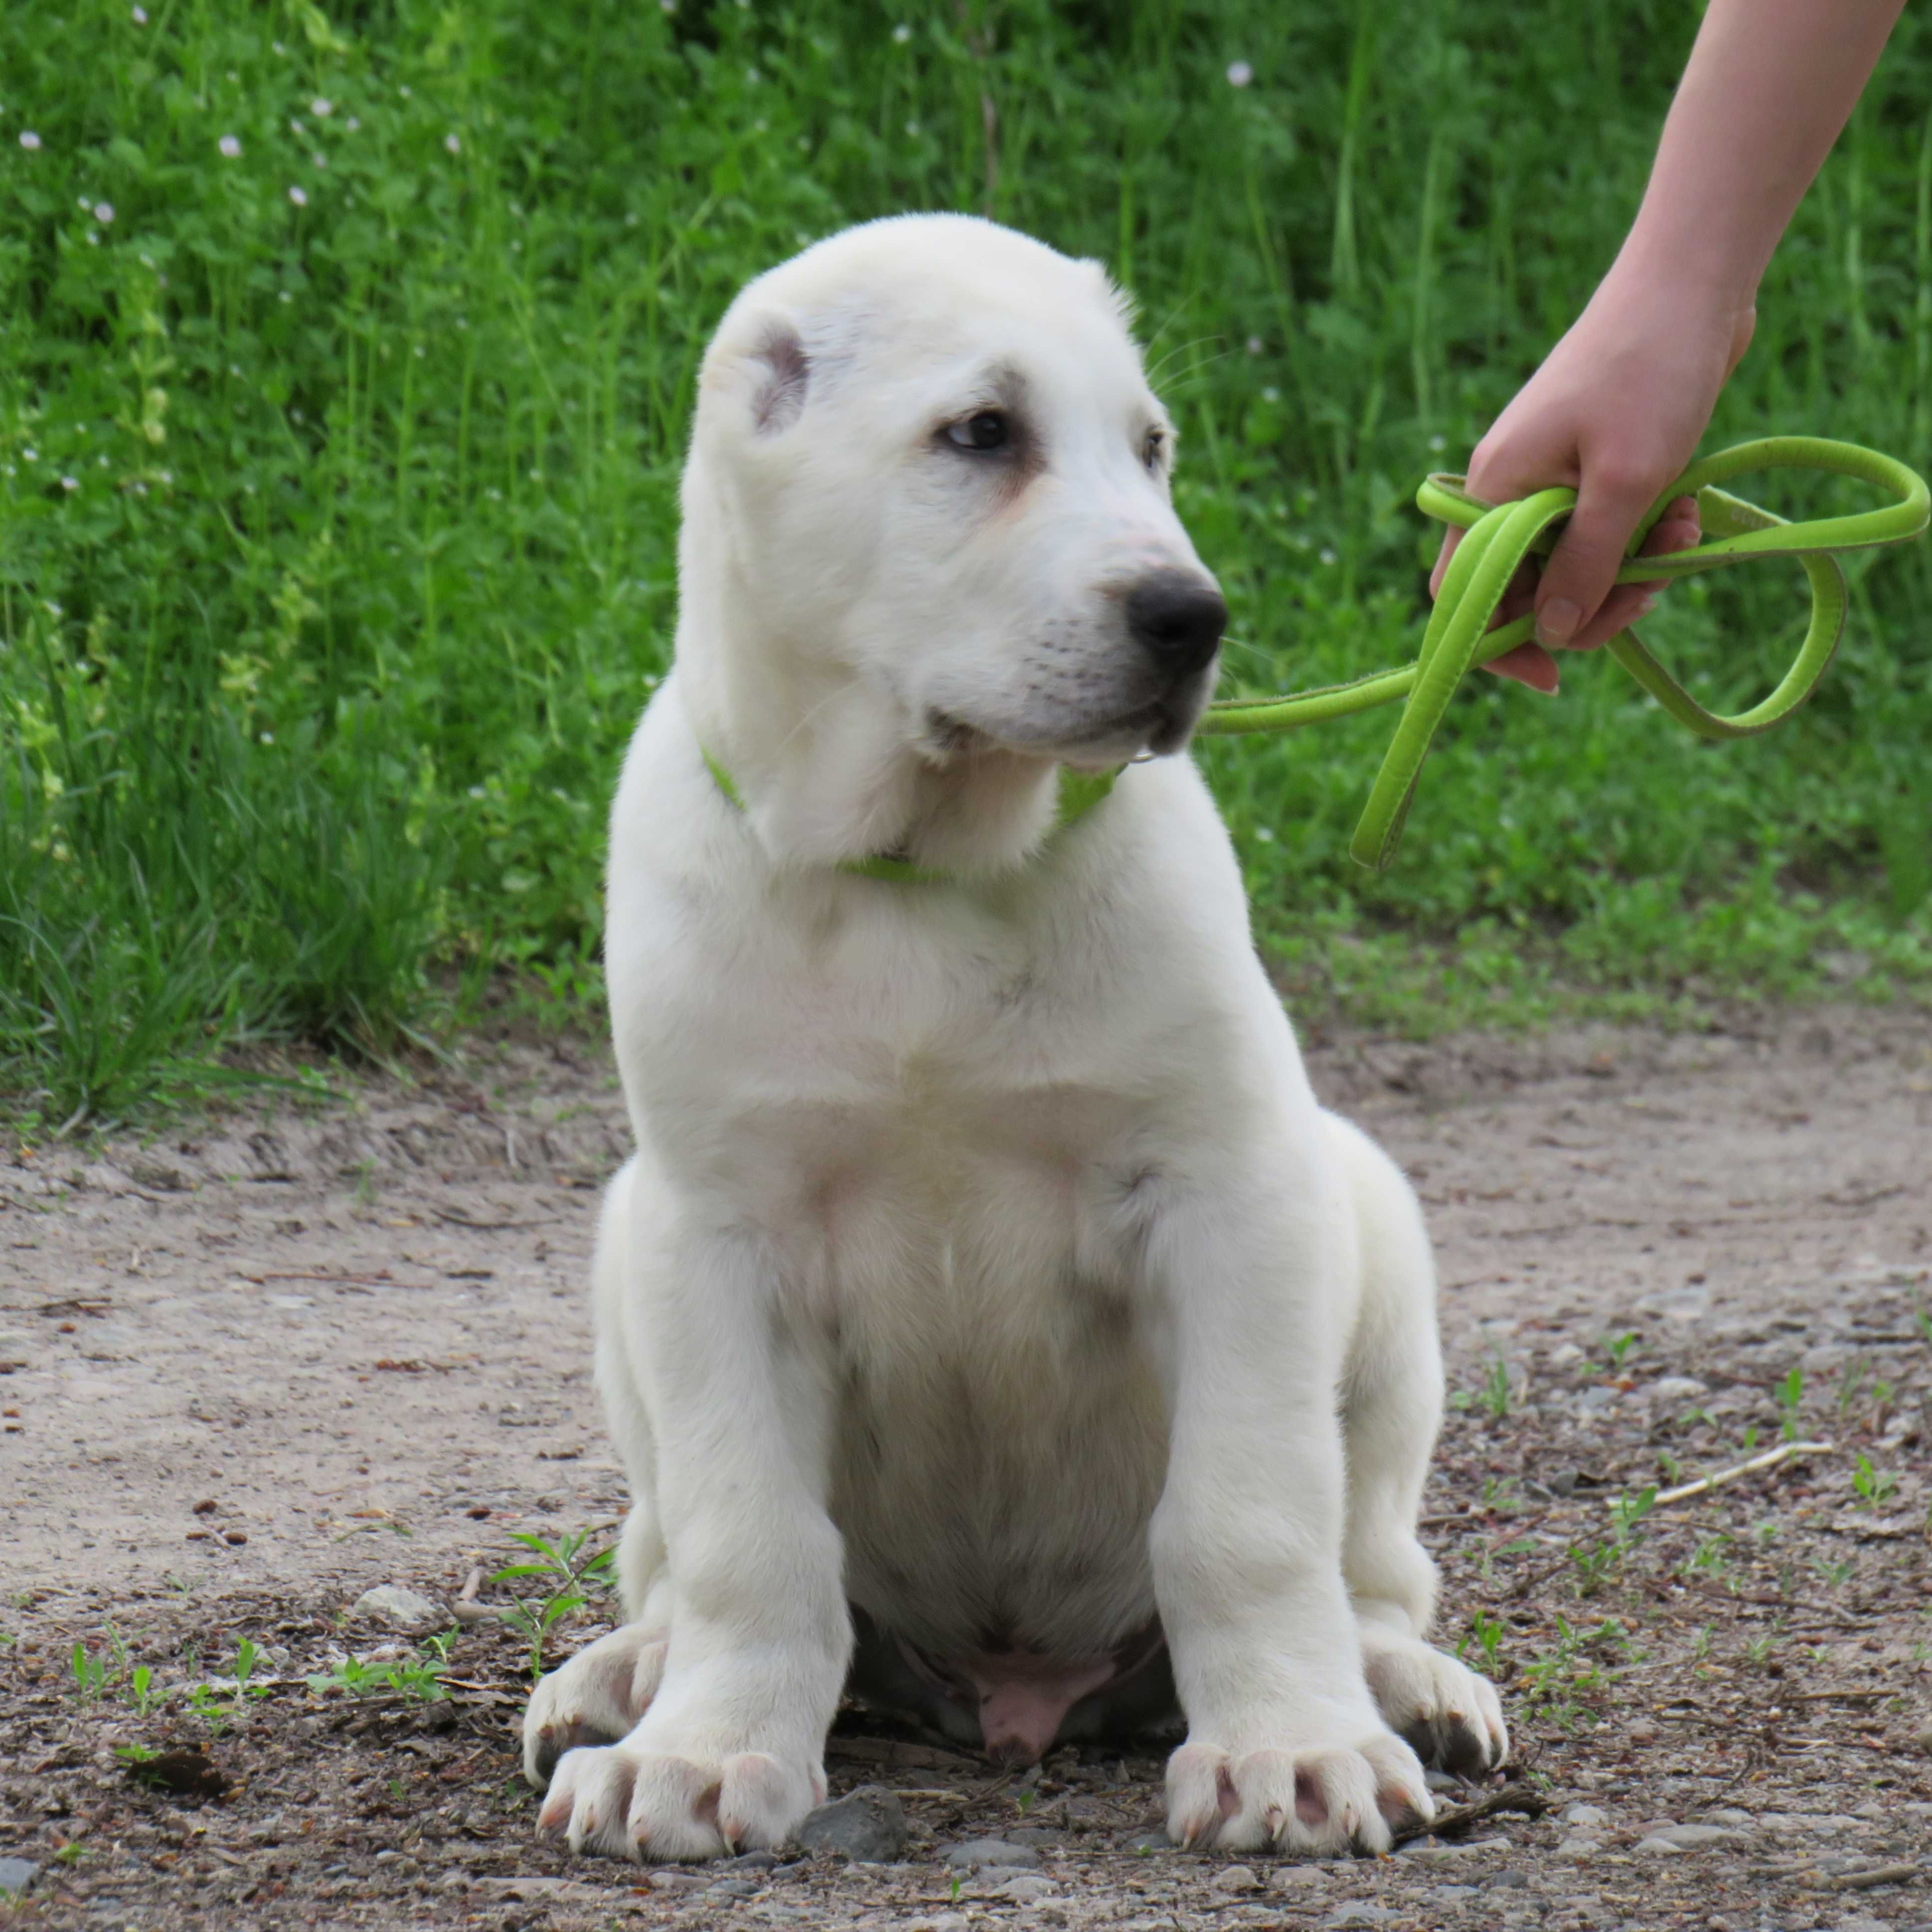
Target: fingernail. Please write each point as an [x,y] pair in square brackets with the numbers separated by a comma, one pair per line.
[1556,622]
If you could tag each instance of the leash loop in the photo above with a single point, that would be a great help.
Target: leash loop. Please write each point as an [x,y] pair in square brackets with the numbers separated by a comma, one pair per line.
[1458,636]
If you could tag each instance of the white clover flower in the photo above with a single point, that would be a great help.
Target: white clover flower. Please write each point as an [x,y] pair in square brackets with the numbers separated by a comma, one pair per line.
[30,454]
[29,140]
[93,238]
[85,206]
[70,483]
[267,737]
[1270,394]
[230,147]
[104,212]
[140,17]
[1327,555]
[453,144]
[1239,73]
[352,124]
[1255,345]
[1438,444]
[300,198]
[321,109]
[53,609]
[912,129]
[320,160]
[296,127]
[1265,834]
[404,92]
[668,6]
[902,33]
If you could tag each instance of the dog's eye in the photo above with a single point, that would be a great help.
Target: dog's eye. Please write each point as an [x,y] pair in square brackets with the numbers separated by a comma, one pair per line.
[986,429]
[1152,448]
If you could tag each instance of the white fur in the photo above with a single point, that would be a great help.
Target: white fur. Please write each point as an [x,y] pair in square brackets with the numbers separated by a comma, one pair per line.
[985,1258]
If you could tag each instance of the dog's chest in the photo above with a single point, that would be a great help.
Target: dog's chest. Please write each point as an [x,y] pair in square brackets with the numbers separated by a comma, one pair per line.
[957,1175]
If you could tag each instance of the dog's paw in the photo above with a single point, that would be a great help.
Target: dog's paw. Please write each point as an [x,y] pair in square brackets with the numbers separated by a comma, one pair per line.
[599,1695]
[1449,1715]
[651,1805]
[1323,1800]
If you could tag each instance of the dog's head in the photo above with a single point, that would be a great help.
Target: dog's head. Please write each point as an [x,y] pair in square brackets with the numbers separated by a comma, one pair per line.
[927,458]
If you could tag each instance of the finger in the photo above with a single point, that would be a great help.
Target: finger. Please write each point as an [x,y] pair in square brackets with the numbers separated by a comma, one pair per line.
[1584,565]
[1451,537]
[1527,664]
[1629,604]
[1679,528]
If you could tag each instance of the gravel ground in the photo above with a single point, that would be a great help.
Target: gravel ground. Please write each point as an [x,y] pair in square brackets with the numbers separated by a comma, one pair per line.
[250,1371]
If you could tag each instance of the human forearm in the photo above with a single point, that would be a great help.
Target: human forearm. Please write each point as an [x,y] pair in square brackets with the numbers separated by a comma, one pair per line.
[1768,87]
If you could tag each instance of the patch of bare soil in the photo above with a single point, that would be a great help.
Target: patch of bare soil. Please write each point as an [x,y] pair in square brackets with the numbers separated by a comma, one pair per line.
[252,1371]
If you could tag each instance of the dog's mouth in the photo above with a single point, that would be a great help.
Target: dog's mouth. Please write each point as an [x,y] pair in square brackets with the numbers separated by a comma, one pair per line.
[1158,728]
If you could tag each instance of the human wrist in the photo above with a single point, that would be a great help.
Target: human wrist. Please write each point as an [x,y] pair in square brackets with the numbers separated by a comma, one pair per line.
[1705,270]
[1648,295]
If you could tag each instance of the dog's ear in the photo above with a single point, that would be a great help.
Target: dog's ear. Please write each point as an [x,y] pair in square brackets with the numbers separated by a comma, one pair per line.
[783,371]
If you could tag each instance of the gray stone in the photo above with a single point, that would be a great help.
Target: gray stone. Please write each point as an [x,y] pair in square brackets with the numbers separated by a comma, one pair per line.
[1024,1887]
[1740,1821]
[1359,1914]
[1689,1837]
[1676,1388]
[975,1854]
[1036,1834]
[401,1609]
[676,1878]
[1237,1878]
[1509,1879]
[1578,1845]
[1441,1780]
[1147,1842]
[748,1861]
[1657,1846]
[1299,1878]
[867,1825]
[1588,1817]
[732,1888]
[16,1874]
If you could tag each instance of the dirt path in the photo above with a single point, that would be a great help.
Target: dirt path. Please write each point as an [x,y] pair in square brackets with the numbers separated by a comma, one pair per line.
[253,1371]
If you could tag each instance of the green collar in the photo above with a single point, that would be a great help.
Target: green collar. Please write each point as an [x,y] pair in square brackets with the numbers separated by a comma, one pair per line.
[1079,793]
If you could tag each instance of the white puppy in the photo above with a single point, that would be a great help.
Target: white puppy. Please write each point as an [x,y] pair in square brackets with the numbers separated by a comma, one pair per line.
[987,1279]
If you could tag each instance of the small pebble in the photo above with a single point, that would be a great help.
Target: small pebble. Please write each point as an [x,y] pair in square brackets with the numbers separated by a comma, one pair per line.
[16,1874]
[1588,1817]
[676,1878]
[400,1609]
[975,1853]
[236,1537]
[867,1825]
[1237,1878]
[1657,1846]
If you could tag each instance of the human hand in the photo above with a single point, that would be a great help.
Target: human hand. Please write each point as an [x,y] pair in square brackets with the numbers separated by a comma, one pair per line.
[1615,413]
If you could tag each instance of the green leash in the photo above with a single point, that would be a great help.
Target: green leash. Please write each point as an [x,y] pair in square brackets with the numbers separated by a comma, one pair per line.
[1458,637]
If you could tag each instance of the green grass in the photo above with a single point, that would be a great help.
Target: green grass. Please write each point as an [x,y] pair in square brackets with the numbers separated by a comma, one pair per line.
[337,477]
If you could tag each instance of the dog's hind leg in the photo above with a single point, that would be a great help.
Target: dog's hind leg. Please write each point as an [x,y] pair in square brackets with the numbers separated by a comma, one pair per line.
[1391,1407]
[603,1690]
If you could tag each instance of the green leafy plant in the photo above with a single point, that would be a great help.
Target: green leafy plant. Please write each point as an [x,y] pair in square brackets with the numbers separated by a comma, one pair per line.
[1871,1488]
[418,1678]
[569,1577]
[1616,1349]
[1486,1632]
[91,1674]
[1790,1392]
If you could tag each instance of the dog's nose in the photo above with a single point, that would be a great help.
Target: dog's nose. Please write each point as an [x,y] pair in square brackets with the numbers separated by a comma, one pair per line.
[1177,617]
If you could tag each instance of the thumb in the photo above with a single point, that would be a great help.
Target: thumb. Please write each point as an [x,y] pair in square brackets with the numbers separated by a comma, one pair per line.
[1589,554]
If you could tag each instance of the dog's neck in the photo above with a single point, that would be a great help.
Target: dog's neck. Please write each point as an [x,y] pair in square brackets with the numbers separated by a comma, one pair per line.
[831,770]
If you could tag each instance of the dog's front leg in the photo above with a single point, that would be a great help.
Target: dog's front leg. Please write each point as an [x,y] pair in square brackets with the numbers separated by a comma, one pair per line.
[729,1756]
[1284,1746]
